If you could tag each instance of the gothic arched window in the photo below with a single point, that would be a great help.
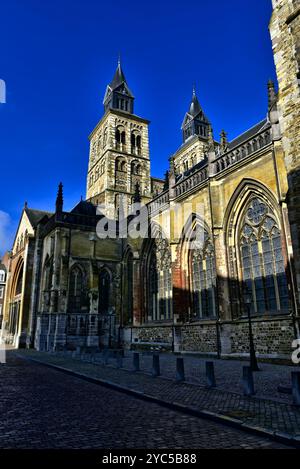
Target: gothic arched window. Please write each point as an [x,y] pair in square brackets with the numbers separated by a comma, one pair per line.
[261,256]
[129,289]
[160,281]
[104,291]
[153,287]
[76,290]
[19,282]
[204,280]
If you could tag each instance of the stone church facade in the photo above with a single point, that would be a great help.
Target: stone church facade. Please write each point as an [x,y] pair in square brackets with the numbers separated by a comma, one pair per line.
[67,287]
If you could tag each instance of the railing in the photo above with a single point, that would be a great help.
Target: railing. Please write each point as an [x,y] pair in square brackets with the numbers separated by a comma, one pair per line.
[159,203]
[192,181]
[243,151]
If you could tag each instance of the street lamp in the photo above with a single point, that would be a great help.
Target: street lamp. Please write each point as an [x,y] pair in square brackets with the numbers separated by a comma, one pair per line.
[248,302]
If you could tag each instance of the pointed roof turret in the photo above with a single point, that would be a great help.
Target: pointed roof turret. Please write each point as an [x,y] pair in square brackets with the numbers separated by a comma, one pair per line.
[195,122]
[119,78]
[59,199]
[272,97]
[118,94]
[195,107]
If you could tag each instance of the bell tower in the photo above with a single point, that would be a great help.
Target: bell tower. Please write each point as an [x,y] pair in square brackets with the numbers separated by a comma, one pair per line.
[119,151]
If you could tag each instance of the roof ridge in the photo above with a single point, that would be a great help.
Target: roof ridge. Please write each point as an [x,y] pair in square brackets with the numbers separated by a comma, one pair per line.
[265,120]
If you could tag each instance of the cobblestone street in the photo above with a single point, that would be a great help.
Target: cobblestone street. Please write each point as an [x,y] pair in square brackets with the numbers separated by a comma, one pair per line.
[44,408]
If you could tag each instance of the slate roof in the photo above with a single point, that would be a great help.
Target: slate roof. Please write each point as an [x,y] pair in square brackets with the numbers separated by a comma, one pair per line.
[249,134]
[118,80]
[35,216]
[84,208]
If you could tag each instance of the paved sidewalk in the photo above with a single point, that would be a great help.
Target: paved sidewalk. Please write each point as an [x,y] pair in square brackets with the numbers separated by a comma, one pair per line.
[228,374]
[278,419]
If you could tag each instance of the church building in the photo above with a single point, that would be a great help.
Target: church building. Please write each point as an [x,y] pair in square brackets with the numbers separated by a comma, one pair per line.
[68,287]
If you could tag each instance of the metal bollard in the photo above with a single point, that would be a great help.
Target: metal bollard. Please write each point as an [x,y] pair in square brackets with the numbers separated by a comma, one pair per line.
[155,365]
[119,360]
[210,374]
[180,370]
[296,387]
[136,361]
[248,382]
[105,357]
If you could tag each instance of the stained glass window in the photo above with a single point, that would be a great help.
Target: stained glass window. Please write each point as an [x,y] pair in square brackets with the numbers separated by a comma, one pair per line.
[160,282]
[204,281]
[262,259]
[76,290]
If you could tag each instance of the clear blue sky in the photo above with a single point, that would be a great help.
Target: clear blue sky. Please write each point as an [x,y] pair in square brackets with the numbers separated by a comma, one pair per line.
[58,56]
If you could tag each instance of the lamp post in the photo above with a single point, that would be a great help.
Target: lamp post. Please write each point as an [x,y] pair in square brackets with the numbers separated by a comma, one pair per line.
[248,302]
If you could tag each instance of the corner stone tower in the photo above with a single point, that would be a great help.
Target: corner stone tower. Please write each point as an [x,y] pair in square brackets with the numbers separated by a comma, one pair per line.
[285,35]
[119,152]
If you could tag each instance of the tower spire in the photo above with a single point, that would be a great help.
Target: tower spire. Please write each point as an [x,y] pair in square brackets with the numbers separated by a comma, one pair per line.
[271,93]
[195,122]
[118,95]
[59,199]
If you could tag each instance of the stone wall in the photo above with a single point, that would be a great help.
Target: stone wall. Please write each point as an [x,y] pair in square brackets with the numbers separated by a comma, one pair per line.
[156,335]
[271,337]
[285,35]
[199,338]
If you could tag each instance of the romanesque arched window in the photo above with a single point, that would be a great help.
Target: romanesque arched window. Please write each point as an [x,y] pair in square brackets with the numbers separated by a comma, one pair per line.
[76,289]
[93,151]
[159,281]
[105,138]
[120,164]
[261,258]
[120,137]
[203,280]
[136,142]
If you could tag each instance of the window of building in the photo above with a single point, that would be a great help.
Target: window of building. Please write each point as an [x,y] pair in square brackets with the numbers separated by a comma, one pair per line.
[204,280]
[1,292]
[2,276]
[160,282]
[120,137]
[262,260]
[129,289]
[76,290]
[136,142]
[104,292]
